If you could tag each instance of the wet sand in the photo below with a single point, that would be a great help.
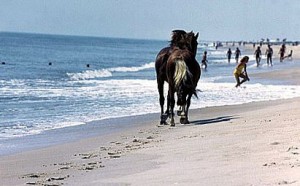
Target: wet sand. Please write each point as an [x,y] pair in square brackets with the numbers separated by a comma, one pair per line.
[249,144]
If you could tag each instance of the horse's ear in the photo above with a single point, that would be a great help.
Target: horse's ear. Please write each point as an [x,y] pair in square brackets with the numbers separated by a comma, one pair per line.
[197,35]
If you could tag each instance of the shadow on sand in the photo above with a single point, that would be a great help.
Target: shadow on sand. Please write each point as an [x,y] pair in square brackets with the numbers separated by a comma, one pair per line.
[213,120]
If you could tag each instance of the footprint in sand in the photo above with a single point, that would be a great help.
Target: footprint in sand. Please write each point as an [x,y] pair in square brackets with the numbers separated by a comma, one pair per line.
[150,137]
[91,166]
[275,143]
[269,164]
[34,175]
[87,155]
[293,150]
[116,142]
[31,183]
[64,168]
[57,178]
[286,182]
[114,154]
[52,184]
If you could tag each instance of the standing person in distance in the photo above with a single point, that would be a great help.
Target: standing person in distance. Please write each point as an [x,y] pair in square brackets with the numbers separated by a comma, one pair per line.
[204,60]
[240,71]
[229,55]
[281,53]
[269,53]
[237,54]
[257,54]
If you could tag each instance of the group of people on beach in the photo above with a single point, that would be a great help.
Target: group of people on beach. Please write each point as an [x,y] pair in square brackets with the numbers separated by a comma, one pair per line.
[269,54]
[258,53]
[237,54]
[240,71]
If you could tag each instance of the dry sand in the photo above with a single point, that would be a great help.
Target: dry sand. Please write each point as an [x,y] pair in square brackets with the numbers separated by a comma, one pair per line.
[249,144]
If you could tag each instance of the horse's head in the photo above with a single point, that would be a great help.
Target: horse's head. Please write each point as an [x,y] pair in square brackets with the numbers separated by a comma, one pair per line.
[191,42]
[178,39]
[184,40]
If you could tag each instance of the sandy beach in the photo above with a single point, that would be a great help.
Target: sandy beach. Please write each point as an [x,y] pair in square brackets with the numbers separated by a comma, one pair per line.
[250,144]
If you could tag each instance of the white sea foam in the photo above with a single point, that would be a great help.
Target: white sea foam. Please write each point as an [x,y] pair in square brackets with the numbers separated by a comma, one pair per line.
[135,97]
[92,74]
[218,53]
[219,94]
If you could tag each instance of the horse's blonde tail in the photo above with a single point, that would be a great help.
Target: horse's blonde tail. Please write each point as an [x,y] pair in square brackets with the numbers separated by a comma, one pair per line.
[180,72]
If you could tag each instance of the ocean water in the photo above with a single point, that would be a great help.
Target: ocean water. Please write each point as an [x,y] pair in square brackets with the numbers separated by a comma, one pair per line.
[36,97]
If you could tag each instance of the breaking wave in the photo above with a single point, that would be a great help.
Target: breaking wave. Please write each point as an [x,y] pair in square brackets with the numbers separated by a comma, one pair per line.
[92,74]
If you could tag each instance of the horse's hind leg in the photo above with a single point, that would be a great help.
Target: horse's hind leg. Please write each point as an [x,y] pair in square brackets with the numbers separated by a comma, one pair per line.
[163,117]
[183,115]
[184,118]
[179,111]
[172,104]
[188,104]
[167,112]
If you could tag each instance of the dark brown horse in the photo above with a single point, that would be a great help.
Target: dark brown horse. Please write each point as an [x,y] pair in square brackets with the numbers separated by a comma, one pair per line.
[180,41]
[183,73]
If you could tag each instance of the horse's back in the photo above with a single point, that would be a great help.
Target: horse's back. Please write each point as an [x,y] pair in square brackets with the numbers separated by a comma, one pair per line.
[161,62]
[190,61]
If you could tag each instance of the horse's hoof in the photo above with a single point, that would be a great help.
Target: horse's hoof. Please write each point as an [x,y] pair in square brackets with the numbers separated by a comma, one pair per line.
[184,121]
[173,125]
[164,117]
[163,123]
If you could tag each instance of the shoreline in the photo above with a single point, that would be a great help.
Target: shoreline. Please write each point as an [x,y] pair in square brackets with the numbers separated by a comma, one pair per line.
[252,143]
[95,128]
[74,133]
[107,159]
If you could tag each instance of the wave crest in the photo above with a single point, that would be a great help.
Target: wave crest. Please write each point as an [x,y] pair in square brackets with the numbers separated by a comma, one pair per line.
[92,74]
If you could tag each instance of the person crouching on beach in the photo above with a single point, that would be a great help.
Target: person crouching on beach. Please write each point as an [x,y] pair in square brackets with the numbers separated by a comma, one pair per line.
[240,71]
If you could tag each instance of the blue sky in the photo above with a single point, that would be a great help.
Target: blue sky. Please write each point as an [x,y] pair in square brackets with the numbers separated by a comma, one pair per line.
[154,19]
